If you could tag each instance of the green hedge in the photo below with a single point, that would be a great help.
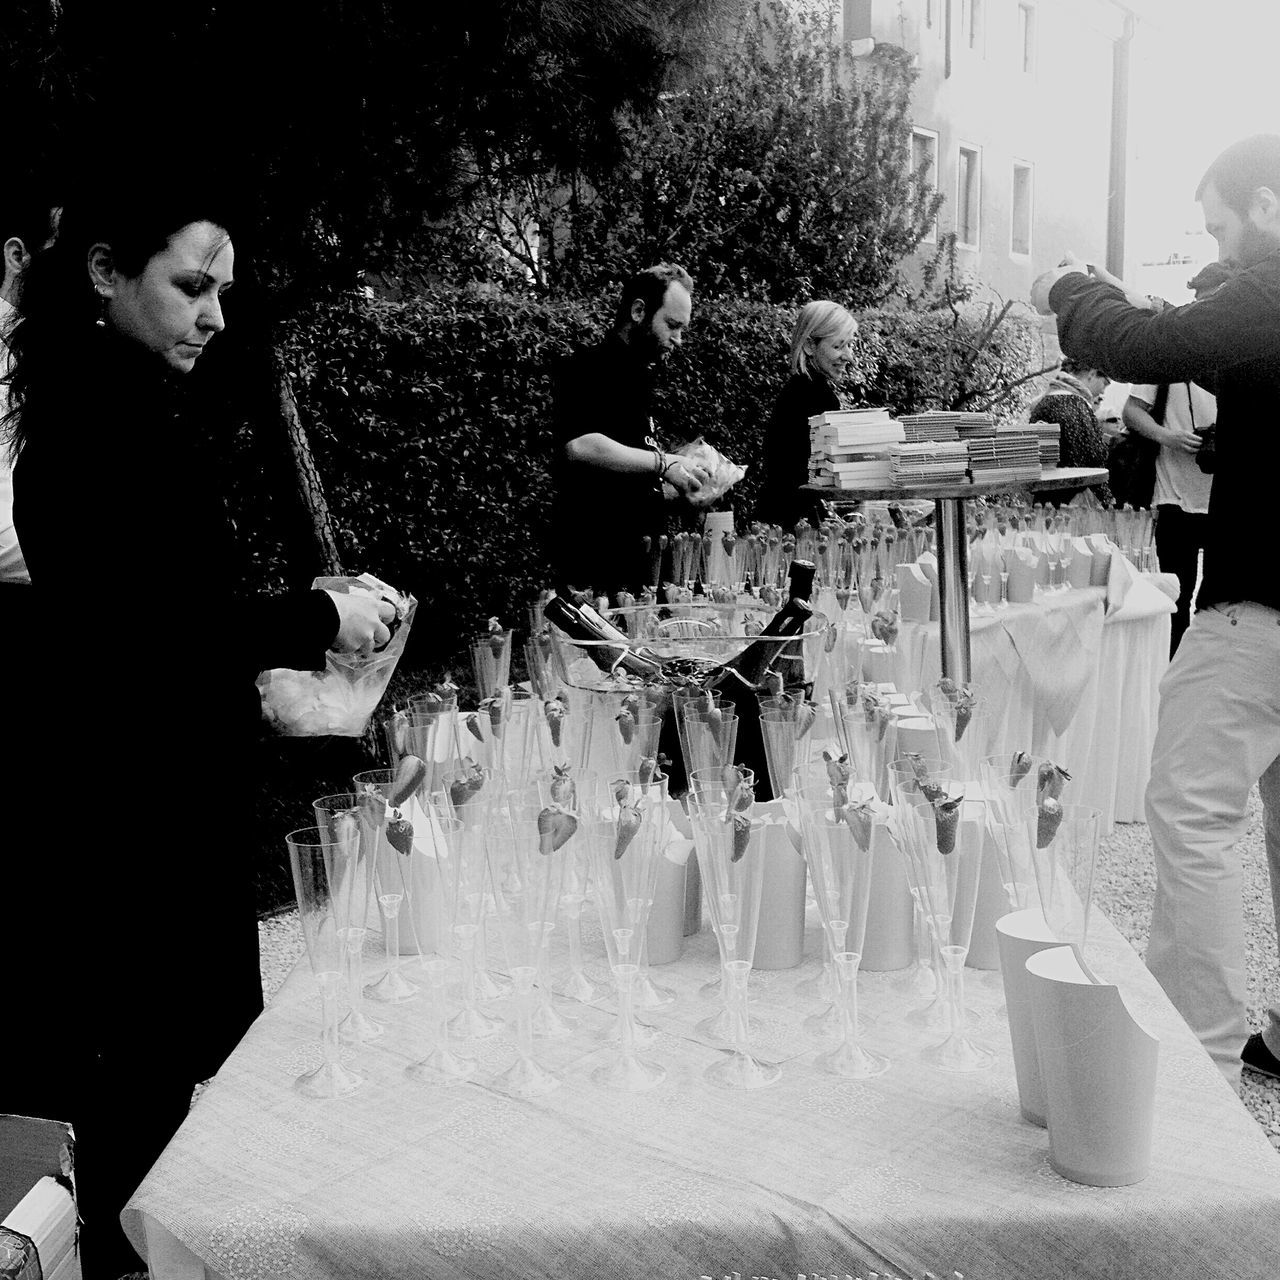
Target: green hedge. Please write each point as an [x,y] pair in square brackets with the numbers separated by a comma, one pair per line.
[430,422]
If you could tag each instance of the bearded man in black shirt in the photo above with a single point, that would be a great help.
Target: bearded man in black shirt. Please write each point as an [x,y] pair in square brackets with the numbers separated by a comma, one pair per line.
[1219,724]
[612,480]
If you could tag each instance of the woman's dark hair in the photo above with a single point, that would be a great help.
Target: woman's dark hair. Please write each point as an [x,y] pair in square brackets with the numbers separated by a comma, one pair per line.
[136,214]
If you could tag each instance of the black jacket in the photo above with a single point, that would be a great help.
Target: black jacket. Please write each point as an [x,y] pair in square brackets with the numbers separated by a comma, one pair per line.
[1229,343]
[149,652]
[600,518]
[786,450]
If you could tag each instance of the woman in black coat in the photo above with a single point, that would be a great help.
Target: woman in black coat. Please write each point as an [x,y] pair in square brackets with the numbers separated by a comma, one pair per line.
[821,352]
[142,960]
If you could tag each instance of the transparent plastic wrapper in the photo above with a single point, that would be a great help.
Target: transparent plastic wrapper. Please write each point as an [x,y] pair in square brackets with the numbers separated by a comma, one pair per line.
[340,699]
[723,474]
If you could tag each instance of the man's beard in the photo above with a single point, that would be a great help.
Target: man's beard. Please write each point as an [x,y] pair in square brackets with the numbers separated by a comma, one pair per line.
[1255,245]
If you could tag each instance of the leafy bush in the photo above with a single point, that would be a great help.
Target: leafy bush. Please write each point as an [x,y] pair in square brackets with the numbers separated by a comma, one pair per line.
[431,423]
[781,170]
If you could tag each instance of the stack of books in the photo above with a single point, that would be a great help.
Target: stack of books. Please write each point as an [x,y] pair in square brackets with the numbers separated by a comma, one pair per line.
[930,462]
[932,424]
[1007,455]
[848,448]
[1050,436]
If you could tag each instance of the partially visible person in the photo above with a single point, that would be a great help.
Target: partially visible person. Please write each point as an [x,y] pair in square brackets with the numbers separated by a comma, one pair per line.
[26,225]
[1072,400]
[148,650]
[1176,417]
[821,353]
[1218,732]
[612,478]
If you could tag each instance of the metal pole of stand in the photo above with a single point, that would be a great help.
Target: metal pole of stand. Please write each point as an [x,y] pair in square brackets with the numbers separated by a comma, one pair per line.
[953,588]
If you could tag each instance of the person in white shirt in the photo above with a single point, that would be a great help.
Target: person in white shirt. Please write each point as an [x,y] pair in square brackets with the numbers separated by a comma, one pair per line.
[1176,420]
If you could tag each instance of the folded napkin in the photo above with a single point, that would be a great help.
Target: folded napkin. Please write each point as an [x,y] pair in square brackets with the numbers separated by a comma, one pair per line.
[1133,594]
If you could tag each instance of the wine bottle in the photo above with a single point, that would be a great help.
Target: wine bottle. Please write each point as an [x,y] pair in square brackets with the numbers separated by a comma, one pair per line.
[585,624]
[752,663]
[739,681]
[800,578]
[790,662]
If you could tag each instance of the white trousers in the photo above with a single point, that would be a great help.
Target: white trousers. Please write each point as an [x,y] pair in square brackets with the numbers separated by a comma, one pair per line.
[1218,733]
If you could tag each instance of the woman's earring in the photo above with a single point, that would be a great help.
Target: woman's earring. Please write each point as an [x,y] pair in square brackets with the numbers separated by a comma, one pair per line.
[101,321]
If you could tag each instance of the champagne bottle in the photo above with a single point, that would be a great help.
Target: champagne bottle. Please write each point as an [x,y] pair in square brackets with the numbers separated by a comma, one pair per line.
[739,681]
[800,577]
[790,663]
[756,659]
[614,655]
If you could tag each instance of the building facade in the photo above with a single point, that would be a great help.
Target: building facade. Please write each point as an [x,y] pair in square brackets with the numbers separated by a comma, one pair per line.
[1020,112]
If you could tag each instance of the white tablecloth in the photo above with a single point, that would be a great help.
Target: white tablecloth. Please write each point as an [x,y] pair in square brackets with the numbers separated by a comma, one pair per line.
[915,1172]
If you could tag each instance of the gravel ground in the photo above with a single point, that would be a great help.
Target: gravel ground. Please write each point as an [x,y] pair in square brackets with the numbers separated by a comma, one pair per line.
[1123,885]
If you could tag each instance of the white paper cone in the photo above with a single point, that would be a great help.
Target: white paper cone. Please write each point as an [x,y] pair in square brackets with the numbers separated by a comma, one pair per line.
[665,931]
[1080,571]
[1099,1073]
[1020,935]
[780,932]
[915,593]
[993,902]
[890,938]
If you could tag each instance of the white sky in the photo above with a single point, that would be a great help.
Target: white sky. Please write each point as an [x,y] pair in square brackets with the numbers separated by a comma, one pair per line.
[1204,73]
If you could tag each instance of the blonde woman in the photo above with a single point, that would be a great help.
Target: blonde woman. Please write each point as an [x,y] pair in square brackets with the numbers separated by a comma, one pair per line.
[822,349]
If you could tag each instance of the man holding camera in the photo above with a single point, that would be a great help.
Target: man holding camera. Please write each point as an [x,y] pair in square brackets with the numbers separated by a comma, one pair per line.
[1219,724]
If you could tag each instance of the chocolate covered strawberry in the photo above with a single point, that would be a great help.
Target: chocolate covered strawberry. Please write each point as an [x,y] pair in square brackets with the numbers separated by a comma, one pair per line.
[1048,820]
[626,725]
[806,714]
[946,817]
[741,824]
[399,732]
[1019,767]
[628,824]
[472,721]
[409,776]
[1051,780]
[555,710]
[555,827]
[372,803]
[884,626]
[494,707]
[563,792]
[400,835]
[839,771]
[860,818]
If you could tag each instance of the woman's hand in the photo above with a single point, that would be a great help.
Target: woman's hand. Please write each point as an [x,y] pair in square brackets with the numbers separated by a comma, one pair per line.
[362,623]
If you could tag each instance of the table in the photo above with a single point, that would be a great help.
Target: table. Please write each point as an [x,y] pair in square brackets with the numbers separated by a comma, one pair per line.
[951,545]
[911,1174]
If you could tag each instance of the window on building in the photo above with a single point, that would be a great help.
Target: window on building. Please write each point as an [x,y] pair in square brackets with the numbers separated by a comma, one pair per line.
[924,159]
[968,196]
[1020,206]
[1027,37]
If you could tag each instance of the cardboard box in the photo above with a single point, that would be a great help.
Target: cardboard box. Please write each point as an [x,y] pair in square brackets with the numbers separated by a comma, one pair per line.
[35,1202]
